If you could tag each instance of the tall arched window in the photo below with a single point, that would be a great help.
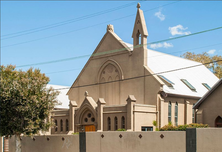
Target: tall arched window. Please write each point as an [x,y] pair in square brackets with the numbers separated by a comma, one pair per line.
[123,122]
[108,123]
[176,114]
[169,112]
[193,115]
[110,72]
[56,126]
[61,125]
[116,123]
[67,125]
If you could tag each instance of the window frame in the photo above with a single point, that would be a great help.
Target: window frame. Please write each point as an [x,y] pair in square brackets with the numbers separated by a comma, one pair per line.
[169,112]
[115,123]
[176,114]
[206,86]
[56,125]
[67,125]
[188,84]
[61,125]
[123,122]
[108,123]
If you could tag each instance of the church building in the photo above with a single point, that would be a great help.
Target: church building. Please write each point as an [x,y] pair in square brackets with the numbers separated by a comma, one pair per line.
[128,86]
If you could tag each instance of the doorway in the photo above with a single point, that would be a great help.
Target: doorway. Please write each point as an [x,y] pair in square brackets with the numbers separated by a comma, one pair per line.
[218,122]
[89,128]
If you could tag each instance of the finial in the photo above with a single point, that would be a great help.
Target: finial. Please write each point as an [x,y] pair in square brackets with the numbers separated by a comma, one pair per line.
[110,28]
[138,5]
[86,94]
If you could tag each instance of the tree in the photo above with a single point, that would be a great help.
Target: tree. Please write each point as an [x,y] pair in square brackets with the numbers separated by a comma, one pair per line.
[25,103]
[215,66]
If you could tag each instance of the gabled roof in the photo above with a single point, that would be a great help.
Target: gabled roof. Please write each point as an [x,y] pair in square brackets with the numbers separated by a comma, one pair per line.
[175,68]
[62,97]
[197,105]
[118,40]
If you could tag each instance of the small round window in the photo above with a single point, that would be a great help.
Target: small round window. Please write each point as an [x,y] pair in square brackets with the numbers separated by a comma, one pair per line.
[93,119]
[89,115]
[86,119]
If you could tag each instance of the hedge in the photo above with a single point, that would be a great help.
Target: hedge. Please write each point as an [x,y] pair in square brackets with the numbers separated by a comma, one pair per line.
[170,127]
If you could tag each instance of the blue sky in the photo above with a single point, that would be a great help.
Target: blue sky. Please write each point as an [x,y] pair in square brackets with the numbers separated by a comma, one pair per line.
[37,31]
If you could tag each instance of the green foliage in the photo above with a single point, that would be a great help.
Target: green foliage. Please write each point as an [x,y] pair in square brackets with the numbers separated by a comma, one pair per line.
[25,103]
[215,67]
[121,129]
[154,123]
[170,123]
[75,133]
[170,127]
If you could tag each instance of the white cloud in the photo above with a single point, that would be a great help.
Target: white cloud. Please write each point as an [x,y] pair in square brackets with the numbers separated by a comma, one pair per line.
[179,30]
[161,45]
[160,15]
[211,51]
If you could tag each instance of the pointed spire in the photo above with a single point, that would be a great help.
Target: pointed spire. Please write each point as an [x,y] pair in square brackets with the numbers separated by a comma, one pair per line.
[139,29]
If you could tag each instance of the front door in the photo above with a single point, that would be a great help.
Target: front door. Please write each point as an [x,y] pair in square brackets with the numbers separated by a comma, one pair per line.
[90,128]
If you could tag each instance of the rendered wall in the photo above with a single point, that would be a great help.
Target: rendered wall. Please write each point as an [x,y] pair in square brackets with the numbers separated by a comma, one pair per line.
[184,112]
[211,108]
[209,140]
[54,144]
[131,142]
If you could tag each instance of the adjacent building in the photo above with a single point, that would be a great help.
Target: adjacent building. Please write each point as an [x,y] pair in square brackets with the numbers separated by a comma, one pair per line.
[209,107]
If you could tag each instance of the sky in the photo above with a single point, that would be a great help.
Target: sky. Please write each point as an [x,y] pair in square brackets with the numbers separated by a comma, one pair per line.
[58,37]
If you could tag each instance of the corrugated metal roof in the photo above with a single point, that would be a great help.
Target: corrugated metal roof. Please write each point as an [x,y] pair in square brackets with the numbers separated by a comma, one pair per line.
[160,62]
[62,97]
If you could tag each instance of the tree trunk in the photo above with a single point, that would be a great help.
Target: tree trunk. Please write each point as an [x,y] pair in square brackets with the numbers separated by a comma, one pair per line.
[18,143]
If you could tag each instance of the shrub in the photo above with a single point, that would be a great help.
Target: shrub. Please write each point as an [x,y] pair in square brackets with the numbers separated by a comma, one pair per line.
[75,133]
[170,127]
[121,129]
[154,123]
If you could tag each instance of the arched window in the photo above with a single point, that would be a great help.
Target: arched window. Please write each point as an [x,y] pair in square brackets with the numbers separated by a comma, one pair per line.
[116,123]
[218,122]
[109,123]
[61,125]
[176,114]
[67,125]
[56,126]
[193,115]
[169,112]
[123,122]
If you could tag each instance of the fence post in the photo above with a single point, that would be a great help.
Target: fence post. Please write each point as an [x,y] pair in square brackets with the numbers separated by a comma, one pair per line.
[191,141]
[82,141]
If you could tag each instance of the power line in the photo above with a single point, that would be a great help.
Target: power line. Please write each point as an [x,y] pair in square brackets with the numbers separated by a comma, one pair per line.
[82,28]
[142,75]
[147,58]
[118,50]
[34,30]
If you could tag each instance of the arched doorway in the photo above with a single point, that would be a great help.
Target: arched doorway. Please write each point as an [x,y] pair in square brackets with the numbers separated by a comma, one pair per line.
[88,121]
[218,122]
